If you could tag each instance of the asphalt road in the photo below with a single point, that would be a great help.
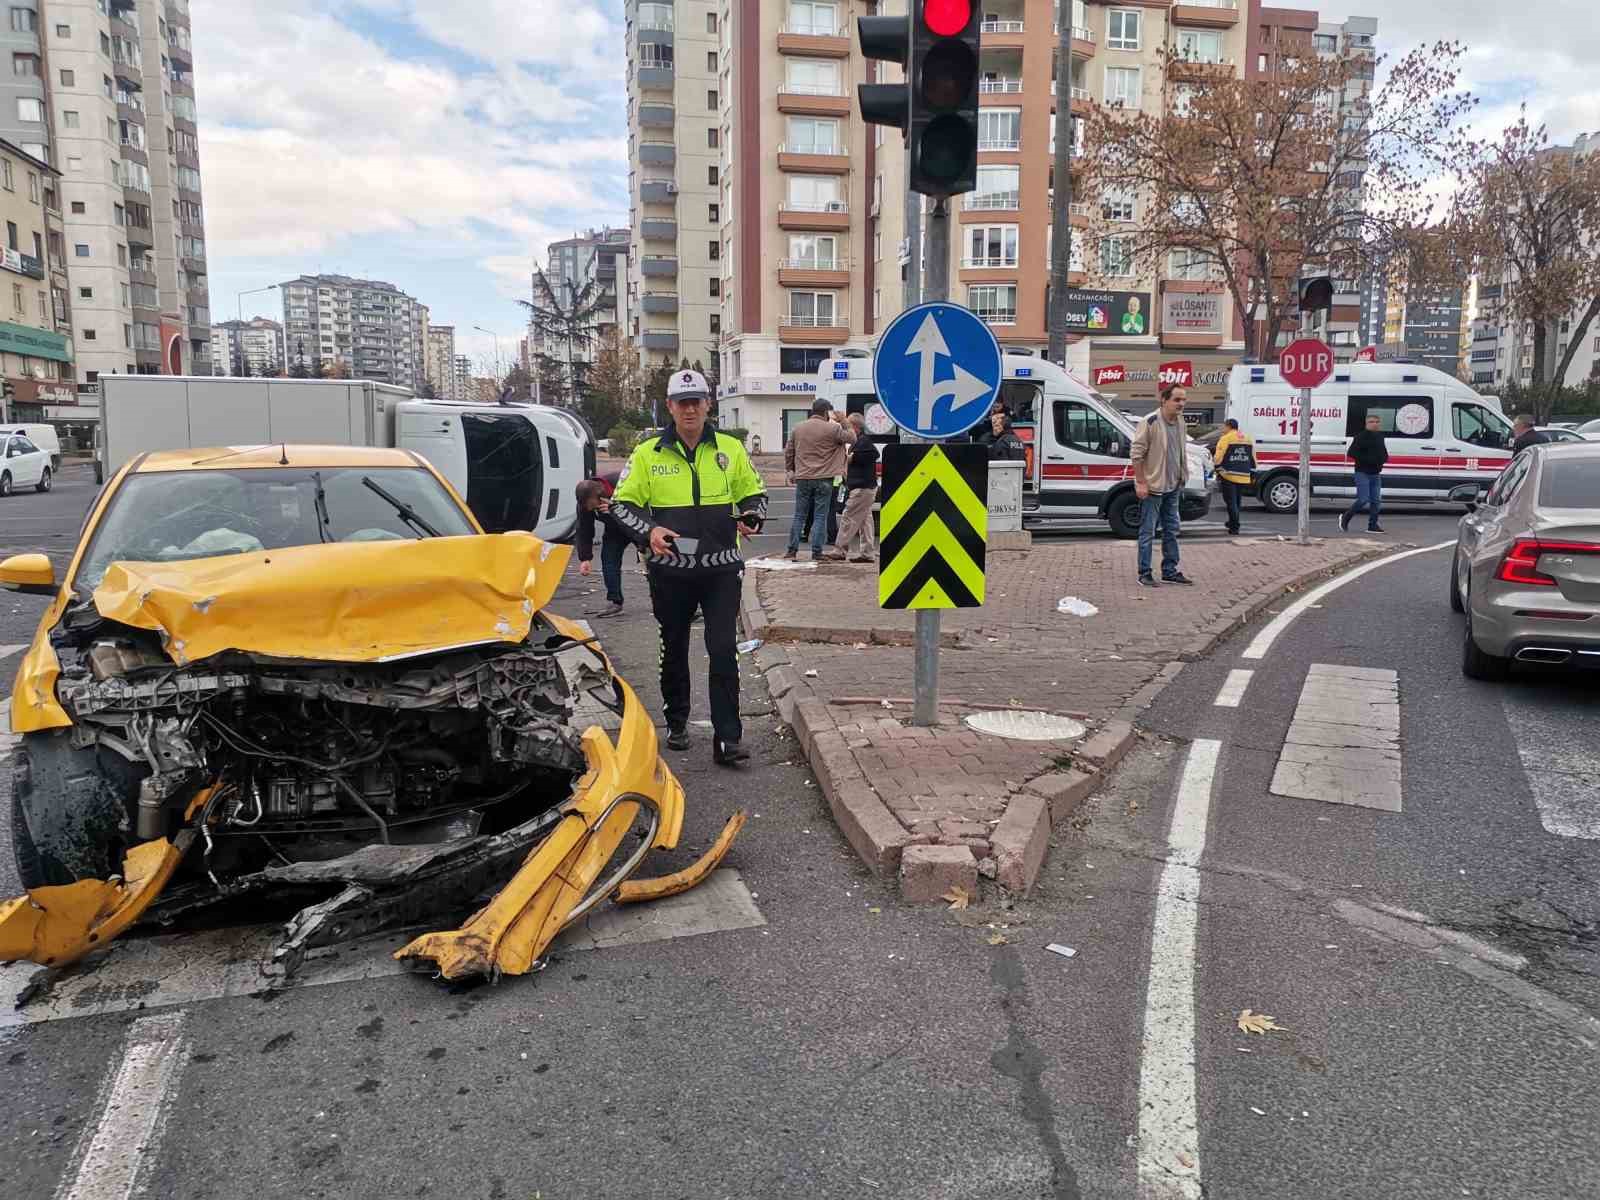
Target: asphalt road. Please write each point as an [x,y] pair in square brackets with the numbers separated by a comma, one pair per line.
[852,1047]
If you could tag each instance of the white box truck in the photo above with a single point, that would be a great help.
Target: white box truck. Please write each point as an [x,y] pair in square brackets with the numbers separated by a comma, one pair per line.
[517,465]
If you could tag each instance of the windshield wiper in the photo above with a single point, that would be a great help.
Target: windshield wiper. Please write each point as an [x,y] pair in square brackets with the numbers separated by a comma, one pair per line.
[407,513]
[323,520]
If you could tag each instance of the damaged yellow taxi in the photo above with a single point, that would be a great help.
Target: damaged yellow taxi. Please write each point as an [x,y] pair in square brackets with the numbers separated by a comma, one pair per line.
[304,673]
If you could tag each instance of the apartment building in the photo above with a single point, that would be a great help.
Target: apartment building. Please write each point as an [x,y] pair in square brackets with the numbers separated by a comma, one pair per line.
[462,387]
[439,368]
[35,357]
[596,261]
[369,328]
[1427,325]
[254,347]
[676,102]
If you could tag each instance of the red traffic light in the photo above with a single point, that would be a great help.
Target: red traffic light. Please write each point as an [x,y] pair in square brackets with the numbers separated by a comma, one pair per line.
[946,17]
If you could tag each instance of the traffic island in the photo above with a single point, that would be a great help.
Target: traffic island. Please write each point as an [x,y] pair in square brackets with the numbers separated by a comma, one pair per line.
[1065,632]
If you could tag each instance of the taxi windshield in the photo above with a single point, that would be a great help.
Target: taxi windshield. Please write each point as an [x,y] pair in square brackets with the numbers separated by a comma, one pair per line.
[173,516]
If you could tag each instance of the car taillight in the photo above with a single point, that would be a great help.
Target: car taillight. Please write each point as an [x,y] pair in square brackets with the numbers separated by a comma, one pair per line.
[1521,563]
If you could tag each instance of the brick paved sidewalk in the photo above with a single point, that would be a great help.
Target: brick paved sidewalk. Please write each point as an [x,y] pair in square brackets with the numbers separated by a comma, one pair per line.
[942,806]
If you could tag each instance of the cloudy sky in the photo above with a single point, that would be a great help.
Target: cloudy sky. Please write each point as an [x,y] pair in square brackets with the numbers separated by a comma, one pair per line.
[440,144]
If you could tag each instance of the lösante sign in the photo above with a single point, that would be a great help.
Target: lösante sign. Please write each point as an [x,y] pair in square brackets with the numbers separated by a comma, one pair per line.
[1175,374]
[1105,375]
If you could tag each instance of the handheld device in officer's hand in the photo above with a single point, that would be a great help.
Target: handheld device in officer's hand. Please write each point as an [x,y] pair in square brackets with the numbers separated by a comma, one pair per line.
[752,519]
[684,545]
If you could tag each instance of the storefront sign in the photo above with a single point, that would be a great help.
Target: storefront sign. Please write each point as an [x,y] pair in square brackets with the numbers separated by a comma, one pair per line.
[1136,377]
[36,343]
[1192,313]
[21,264]
[1108,314]
[1105,375]
[1176,374]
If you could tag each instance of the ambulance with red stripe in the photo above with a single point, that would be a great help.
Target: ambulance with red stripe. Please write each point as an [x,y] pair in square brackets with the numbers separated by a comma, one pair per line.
[1078,466]
[1445,441]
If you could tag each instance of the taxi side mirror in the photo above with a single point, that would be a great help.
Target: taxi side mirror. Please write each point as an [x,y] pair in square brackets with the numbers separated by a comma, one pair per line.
[30,574]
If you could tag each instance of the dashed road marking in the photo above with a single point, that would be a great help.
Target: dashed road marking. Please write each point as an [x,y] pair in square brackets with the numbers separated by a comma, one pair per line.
[151,972]
[8,651]
[1560,761]
[1344,744]
[1233,689]
[1169,1133]
[1263,641]
[122,1141]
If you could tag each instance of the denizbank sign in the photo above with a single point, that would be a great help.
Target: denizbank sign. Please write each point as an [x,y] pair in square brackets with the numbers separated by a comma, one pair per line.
[36,343]
[785,385]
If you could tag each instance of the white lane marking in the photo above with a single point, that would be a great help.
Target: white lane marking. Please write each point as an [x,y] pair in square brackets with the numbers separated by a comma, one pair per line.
[8,740]
[132,1111]
[151,972]
[1169,1133]
[1233,689]
[1263,640]
[8,651]
[1343,746]
[1559,759]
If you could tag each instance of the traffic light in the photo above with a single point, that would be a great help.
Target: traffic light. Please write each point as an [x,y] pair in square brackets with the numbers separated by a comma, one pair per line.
[937,106]
[1315,292]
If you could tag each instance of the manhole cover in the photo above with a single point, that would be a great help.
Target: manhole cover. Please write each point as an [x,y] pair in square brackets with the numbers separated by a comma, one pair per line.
[1027,726]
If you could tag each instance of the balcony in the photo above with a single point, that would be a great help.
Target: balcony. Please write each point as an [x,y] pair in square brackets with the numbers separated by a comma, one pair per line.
[814,272]
[807,330]
[814,40]
[659,339]
[812,100]
[1082,39]
[1003,25]
[1000,145]
[658,154]
[658,191]
[659,266]
[996,316]
[657,116]
[830,215]
[1213,14]
[1008,201]
[813,159]
[655,75]
[1182,70]
[655,229]
[664,303]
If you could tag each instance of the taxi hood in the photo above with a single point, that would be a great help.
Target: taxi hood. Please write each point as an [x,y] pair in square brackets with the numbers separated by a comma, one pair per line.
[345,602]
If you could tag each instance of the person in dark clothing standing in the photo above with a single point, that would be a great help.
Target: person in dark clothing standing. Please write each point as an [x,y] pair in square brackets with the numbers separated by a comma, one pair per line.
[594,507]
[1369,450]
[1526,434]
[861,486]
[1004,444]
[686,496]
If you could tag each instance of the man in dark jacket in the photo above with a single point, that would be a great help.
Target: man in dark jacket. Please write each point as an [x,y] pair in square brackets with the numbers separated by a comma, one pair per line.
[1369,450]
[1526,434]
[1004,444]
[594,506]
[861,487]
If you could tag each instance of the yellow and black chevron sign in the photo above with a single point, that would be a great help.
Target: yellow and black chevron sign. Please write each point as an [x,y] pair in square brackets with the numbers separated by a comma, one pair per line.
[933,526]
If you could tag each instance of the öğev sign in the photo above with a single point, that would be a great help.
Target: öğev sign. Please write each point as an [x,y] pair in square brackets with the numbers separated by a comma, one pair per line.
[1307,363]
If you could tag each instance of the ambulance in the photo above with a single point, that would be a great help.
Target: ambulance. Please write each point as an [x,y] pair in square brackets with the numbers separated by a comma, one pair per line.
[1446,443]
[1078,466]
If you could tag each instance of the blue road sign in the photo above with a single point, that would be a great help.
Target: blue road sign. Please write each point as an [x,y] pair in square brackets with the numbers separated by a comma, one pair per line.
[937,370]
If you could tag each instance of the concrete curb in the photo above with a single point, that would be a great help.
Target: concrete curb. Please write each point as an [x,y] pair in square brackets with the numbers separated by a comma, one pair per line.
[1022,838]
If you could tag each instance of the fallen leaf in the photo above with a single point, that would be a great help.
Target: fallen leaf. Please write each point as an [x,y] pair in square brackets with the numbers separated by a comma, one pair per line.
[998,939]
[874,910]
[1254,1022]
[1185,1160]
[958,897]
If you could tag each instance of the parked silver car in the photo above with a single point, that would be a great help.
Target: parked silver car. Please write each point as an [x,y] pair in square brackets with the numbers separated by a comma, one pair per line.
[1526,569]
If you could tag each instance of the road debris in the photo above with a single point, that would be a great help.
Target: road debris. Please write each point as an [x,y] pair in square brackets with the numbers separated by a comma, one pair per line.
[958,897]
[1254,1022]
[1075,607]
[1064,951]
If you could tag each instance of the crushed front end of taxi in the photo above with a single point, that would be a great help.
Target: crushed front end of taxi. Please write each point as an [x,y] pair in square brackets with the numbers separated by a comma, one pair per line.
[385,735]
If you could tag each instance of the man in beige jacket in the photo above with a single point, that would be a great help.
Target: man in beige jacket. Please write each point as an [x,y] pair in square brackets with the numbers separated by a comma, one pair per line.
[813,459]
[1160,469]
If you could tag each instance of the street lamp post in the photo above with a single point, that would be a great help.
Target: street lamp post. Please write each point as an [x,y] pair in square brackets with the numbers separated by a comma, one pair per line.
[239,311]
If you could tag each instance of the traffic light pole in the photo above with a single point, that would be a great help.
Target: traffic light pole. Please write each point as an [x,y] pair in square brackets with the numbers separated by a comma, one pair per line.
[926,683]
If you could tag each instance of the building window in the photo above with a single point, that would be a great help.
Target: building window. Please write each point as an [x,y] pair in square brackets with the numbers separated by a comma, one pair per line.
[812,77]
[999,128]
[68,78]
[712,137]
[813,252]
[24,64]
[991,246]
[1116,205]
[16,298]
[1122,29]
[814,193]
[86,293]
[711,175]
[1116,256]
[29,109]
[1195,45]
[877,303]
[716,287]
[716,323]
[1122,87]
[995,303]
[1325,43]
[715,250]
[812,310]
[812,135]
[89,335]
[711,62]
[63,31]
[997,187]
[77,208]
[711,100]
[1191,265]
[714,213]
[24,20]
[122,256]
[105,45]
[813,19]
[711,22]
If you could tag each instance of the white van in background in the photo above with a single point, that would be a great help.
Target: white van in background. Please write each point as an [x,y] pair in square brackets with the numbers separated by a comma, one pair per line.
[42,436]
[1079,445]
[1445,441]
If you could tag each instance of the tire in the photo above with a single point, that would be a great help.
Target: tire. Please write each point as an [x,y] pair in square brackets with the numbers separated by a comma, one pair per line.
[72,810]
[1455,582]
[5,483]
[44,481]
[1475,664]
[1280,494]
[1124,515]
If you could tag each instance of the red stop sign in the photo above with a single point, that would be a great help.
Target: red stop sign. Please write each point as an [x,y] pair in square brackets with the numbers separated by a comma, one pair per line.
[1307,363]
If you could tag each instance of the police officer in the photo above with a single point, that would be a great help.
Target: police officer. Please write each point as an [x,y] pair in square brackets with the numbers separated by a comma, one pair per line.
[676,499]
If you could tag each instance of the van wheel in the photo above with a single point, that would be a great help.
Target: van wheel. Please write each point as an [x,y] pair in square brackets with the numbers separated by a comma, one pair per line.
[1455,582]
[1281,494]
[44,481]
[1124,515]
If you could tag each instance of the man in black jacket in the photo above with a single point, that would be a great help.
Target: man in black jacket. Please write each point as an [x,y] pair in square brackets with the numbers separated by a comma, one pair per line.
[1526,434]
[594,505]
[861,486]
[1004,444]
[1369,450]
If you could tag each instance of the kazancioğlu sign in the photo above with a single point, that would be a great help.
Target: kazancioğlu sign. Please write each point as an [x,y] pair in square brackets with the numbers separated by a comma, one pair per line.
[1108,314]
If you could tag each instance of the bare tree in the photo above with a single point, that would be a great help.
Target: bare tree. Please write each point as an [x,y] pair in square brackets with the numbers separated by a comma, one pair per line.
[1246,182]
[566,320]
[1528,216]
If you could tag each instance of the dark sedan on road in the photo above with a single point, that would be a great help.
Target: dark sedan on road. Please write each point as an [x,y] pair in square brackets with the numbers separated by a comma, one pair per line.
[1526,569]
